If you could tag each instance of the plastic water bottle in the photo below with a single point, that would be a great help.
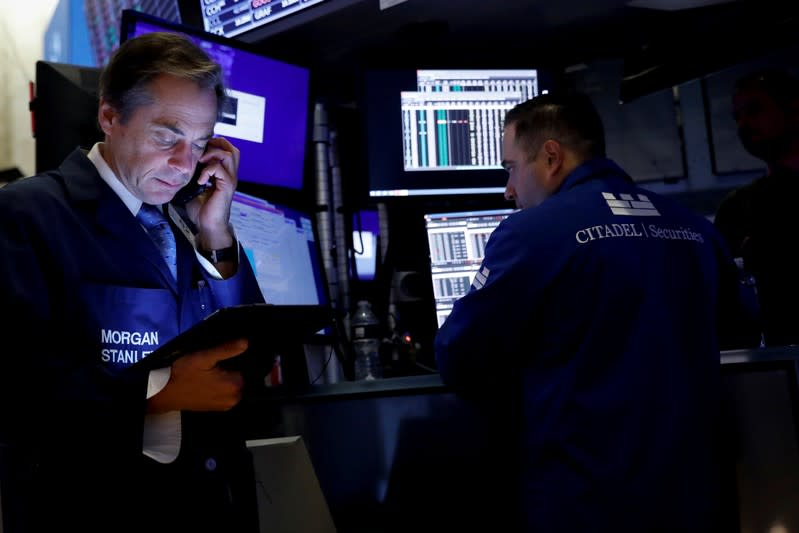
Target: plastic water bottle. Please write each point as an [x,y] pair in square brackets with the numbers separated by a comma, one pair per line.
[366,342]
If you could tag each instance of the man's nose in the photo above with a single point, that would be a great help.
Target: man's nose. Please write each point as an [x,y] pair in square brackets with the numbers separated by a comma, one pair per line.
[182,158]
[510,194]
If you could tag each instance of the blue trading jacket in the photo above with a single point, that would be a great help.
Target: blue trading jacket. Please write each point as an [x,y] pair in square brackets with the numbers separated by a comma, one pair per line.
[87,295]
[597,312]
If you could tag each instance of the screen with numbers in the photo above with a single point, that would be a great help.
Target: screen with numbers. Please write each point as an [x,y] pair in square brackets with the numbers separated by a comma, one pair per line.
[457,246]
[234,17]
[439,132]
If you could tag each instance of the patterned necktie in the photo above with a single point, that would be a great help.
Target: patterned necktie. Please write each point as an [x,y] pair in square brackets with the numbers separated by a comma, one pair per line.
[153,219]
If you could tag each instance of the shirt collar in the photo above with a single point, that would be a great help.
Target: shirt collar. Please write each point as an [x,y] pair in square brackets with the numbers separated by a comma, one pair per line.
[96,157]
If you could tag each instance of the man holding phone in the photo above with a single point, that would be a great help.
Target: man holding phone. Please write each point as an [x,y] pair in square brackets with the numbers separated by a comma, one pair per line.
[91,441]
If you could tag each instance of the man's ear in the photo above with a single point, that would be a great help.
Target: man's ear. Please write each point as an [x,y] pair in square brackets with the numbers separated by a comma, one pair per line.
[107,116]
[553,155]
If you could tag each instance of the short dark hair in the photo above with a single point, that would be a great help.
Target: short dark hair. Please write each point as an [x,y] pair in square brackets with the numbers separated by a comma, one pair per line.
[568,117]
[778,83]
[124,80]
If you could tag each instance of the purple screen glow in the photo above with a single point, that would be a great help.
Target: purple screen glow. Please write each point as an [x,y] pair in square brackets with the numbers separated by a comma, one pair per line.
[266,112]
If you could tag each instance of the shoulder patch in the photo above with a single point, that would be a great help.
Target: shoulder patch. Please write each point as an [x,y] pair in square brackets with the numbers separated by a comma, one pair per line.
[480,278]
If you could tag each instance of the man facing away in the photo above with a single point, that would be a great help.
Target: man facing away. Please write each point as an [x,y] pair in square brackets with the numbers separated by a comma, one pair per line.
[591,327]
[92,442]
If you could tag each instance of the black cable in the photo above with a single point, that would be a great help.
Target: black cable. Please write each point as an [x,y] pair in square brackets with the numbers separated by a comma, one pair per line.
[360,234]
[353,251]
[426,368]
[343,348]
[324,366]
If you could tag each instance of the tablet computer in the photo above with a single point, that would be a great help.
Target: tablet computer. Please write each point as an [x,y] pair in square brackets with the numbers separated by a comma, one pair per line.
[264,325]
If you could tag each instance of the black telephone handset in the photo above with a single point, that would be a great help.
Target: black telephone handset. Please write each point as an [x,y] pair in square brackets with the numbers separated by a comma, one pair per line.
[192,189]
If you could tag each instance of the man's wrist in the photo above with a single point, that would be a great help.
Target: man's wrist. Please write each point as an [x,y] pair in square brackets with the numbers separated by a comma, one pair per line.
[220,255]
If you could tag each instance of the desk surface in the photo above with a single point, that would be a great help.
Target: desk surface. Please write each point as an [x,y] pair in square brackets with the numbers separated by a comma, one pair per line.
[431,383]
[760,354]
[362,389]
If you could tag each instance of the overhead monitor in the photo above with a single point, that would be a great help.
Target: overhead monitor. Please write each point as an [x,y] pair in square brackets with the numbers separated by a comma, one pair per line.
[283,249]
[439,132]
[457,244]
[266,113]
[234,18]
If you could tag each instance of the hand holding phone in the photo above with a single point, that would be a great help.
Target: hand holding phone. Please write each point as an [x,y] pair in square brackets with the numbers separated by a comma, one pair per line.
[209,208]
[192,189]
[220,158]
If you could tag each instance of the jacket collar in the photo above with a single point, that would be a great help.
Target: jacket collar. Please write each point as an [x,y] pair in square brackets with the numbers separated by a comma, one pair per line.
[106,211]
[600,167]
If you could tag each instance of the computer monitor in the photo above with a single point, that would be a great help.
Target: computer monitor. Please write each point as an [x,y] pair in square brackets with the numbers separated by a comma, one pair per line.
[234,18]
[64,111]
[439,132]
[282,247]
[266,114]
[457,244]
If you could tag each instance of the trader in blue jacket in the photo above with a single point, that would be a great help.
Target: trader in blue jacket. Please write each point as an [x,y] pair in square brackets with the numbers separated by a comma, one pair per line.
[592,324]
[90,441]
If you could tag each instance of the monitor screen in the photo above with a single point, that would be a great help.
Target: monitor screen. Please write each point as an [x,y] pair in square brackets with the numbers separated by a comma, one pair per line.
[439,132]
[64,112]
[457,244]
[282,247]
[235,18]
[266,113]
[102,20]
